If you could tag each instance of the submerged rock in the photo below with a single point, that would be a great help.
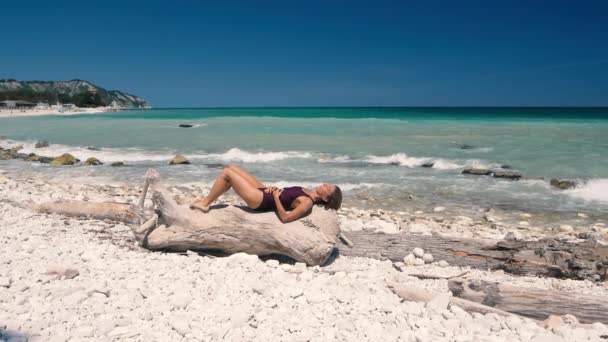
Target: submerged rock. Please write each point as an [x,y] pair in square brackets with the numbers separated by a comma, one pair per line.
[507,174]
[562,184]
[8,154]
[116,164]
[428,164]
[93,161]
[93,148]
[477,172]
[466,147]
[64,159]
[179,159]
[42,144]
[32,157]
[185,126]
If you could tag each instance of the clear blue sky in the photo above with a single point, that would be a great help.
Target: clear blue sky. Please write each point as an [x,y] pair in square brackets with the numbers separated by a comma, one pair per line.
[317,53]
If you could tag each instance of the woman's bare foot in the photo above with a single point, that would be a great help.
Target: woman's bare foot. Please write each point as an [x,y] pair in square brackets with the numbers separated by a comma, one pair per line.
[200,205]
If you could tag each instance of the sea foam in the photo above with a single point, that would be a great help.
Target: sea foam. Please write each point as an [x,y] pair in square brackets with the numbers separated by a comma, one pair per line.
[592,190]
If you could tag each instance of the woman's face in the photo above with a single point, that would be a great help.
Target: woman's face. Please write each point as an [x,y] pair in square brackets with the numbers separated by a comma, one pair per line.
[325,190]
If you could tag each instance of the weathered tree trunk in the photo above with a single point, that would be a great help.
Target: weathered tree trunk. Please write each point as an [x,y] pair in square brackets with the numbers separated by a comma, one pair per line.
[414,294]
[532,303]
[122,212]
[547,257]
[233,229]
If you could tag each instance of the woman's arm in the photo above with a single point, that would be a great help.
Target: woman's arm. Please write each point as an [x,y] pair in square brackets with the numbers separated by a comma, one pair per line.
[296,213]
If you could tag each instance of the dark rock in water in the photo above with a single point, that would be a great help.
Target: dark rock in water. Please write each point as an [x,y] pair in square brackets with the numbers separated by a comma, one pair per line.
[394,163]
[64,159]
[179,159]
[215,165]
[115,164]
[3,137]
[45,160]
[32,157]
[466,147]
[533,178]
[93,148]
[8,154]
[477,172]
[505,166]
[185,125]
[507,174]
[93,161]
[562,184]
[428,164]
[41,144]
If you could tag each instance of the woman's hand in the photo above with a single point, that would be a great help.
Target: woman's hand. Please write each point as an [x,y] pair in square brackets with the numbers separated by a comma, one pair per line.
[271,189]
[276,193]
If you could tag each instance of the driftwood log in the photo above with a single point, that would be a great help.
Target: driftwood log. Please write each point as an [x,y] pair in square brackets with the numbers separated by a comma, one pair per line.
[227,229]
[414,294]
[546,257]
[532,303]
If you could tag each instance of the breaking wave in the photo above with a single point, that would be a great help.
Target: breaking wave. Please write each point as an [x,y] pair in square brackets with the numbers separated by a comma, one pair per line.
[592,190]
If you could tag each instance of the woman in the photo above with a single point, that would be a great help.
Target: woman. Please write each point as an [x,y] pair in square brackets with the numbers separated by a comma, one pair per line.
[259,197]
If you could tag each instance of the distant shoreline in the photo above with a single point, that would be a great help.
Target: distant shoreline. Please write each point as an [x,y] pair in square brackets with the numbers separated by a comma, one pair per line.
[15,113]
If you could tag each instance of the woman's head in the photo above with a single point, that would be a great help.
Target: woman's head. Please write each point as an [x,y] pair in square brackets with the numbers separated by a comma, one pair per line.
[331,195]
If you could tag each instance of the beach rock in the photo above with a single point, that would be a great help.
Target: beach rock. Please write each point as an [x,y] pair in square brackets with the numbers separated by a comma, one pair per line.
[477,172]
[185,126]
[566,228]
[570,319]
[443,263]
[42,144]
[32,157]
[272,263]
[93,161]
[582,215]
[439,303]
[438,209]
[427,258]
[62,271]
[93,148]
[552,322]
[45,160]
[117,164]
[5,282]
[507,174]
[215,165]
[8,154]
[418,252]
[17,148]
[179,159]
[418,262]
[64,159]
[428,164]
[562,184]
[409,259]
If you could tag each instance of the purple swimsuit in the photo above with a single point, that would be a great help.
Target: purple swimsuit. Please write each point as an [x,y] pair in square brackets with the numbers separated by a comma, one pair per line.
[287,197]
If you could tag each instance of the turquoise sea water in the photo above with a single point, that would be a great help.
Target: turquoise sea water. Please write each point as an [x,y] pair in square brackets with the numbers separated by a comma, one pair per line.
[375,154]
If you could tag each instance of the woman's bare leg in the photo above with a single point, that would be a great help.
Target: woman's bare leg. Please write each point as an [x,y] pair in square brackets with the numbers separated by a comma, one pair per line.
[248,176]
[229,178]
